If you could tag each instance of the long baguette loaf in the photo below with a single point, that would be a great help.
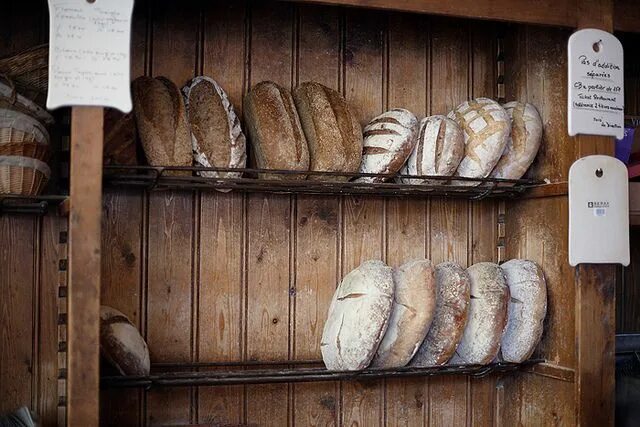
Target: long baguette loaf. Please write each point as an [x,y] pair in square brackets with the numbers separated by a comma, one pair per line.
[121,343]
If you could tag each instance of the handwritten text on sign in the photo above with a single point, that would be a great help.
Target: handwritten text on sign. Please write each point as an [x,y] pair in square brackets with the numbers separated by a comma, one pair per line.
[89,53]
[596,84]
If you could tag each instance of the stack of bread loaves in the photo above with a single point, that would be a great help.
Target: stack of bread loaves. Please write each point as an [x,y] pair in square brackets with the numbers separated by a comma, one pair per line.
[421,315]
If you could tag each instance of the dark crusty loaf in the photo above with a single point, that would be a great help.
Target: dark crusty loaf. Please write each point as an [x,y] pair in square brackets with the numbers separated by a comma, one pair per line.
[276,135]
[121,343]
[216,136]
[162,122]
[527,309]
[332,130]
[414,303]
[450,318]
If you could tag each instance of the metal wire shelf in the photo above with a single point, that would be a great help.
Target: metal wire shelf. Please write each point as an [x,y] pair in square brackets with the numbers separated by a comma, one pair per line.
[182,375]
[29,205]
[336,183]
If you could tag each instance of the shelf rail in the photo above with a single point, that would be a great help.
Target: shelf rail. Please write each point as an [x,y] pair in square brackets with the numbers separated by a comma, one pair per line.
[29,205]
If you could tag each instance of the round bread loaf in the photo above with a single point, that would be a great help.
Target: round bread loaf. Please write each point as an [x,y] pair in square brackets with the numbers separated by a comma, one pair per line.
[216,136]
[333,133]
[438,151]
[487,315]
[121,343]
[358,317]
[527,309]
[414,303]
[523,143]
[388,142]
[450,318]
[486,127]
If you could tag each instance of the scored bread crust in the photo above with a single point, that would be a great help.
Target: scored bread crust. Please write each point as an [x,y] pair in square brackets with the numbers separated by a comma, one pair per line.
[121,343]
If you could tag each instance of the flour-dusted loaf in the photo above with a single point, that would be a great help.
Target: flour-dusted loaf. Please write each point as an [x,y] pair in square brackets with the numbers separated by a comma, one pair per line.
[217,139]
[486,126]
[450,318]
[523,143]
[162,122]
[438,151]
[333,133]
[121,343]
[487,315]
[358,317]
[276,135]
[388,142]
[527,309]
[414,303]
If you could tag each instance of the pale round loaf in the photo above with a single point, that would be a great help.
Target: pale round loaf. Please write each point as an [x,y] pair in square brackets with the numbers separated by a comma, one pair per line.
[527,309]
[523,143]
[121,343]
[450,318]
[486,126]
[438,151]
[388,142]
[358,317]
[414,303]
[487,316]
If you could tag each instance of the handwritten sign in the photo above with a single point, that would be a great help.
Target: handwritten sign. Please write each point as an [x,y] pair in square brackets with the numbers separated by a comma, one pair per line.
[89,53]
[596,84]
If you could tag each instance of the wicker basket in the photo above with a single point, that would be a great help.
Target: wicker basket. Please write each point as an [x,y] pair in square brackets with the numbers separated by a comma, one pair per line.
[28,69]
[26,149]
[17,127]
[11,99]
[23,175]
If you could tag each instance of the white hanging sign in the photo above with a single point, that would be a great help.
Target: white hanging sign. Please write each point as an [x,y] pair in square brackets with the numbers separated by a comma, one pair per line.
[598,211]
[89,49]
[596,84]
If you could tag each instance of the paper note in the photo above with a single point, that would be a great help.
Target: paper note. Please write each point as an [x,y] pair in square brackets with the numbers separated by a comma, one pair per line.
[89,48]
[596,84]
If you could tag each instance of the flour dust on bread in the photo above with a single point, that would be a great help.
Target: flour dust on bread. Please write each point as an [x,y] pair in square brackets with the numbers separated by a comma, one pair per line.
[217,139]
[414,303]
[388,142]
[450,318]
[121,343]
[358,317]
[523,143]
[438,150]
[527,309]
[486,126]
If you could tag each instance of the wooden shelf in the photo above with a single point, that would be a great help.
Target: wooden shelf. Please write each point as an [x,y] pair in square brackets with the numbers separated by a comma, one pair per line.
[31,205]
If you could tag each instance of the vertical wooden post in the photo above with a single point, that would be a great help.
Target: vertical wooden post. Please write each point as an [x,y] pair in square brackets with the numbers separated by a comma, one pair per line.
[83,343]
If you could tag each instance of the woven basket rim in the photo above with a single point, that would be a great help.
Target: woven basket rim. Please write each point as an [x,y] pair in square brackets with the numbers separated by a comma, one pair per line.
[12,114]
[26,162]
[37,111]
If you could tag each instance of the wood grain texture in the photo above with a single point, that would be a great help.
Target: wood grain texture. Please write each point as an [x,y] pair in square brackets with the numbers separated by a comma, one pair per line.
[626,16]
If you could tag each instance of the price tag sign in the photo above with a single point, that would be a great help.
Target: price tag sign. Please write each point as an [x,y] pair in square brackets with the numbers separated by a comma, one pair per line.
[596,84]
[89,49]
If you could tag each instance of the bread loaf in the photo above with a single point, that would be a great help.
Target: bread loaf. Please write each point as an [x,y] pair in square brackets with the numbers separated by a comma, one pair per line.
[358,317]
[388,142]
[486,127]
[438,151]
[216,136]
[121,343]
[414,303]
[275,131]
[527,309]
[523,143]
[162,122]
[450,318]
[487,315]
[332,131]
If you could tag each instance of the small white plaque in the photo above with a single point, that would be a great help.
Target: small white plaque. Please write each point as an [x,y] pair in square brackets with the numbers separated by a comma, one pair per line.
[89,49]
[598,211]
[596,84]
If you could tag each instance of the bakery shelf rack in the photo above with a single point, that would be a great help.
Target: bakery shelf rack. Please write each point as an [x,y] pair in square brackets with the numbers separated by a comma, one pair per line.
[31,205]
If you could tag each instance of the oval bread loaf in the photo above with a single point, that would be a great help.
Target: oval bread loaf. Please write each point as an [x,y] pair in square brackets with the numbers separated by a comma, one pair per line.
[216,136]
[388,142]
[333,133]
[487,315]
[275,131]
[486,126]
[414,302]
[358,317]
[527,309]
[438,151]
[162,122]
[121,343]
[450,318]
[523,143]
